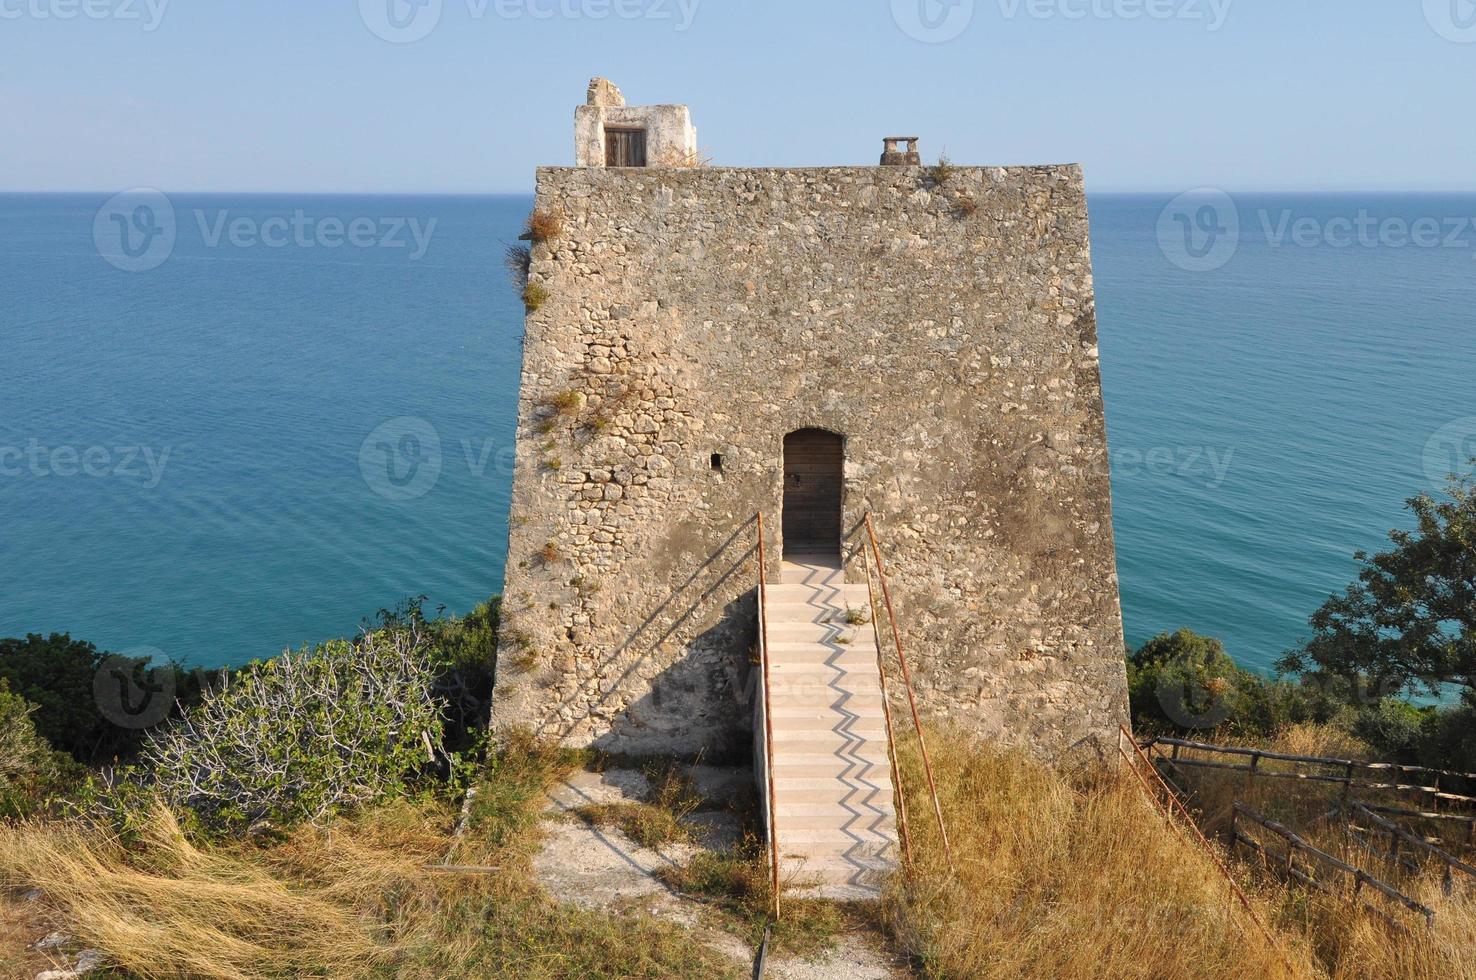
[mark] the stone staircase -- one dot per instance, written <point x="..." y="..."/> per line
<point x="834" y="810"/>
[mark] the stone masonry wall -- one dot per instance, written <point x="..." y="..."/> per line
<point x="948" y="332"/>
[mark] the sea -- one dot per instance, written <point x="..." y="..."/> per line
<point x="231" y="424"/>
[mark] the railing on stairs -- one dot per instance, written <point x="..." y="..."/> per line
<point x="765" y="730"/>
<point x="899" y="798"/>
<point x="922" y="743"/>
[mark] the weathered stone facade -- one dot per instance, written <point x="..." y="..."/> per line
<point x="948" y="332"/>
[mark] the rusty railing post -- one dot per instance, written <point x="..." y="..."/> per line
<point x="881" y="575"/>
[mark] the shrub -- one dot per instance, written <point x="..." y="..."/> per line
<point x="31" y="773"/>
<point x="534" y="296"/>
<point x="942" y="171"/>
<point x="307" y="734"/>
<point x="543" y="226"/>
<point x="519" y="260"/>
<point x="1183" y="680"/>
<point x="566" y="402"/>
<point x="1447" y="739"/>
<point x="463" y="651"/>
<point x="71" y="681"/>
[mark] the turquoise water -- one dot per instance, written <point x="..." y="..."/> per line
<point x="268" y="436"/>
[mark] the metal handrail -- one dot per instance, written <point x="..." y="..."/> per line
<point x="898" y="797"/>
<point x="763" y="595"/>
<point x="1176" y="806"/>
<point x="881" y="575"/>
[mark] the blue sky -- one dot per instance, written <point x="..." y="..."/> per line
<point x="303" y="95"/>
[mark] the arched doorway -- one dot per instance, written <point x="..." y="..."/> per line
<point x="814" y="481"/>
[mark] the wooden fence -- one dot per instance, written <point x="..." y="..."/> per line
<point x="1320" y="870"/>
<point x="1365" y="823"/>
<point x="1435" y="787"/>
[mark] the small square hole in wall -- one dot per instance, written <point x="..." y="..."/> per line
<point x="716" y="462"/>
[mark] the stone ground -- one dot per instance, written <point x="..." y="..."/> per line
<point x="30" y="948"/>
<point x="602" y="868"/>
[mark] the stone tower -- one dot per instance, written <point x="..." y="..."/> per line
<point x="705" y="344"/>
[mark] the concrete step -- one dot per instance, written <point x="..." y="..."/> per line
<point x="800" y="790"/>
<point x="802" y="631"/>
<point x="821" y="844"/>
<point x="838" y="813"/>
<point x="795" y="698"/>
<point x="790" y="611"/>
<point x="819" y="596"/>
<point x="790" y="648"/>
<point x="837" y="855"/>
<point x="864" y="774"/>
<point x="818" y="737"/>
<point x="859" y="822"/>
<point x="834" y="753"/>
<point x="830" y="662"/>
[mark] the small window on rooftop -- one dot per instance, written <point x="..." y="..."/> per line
<point x="625" y="147"/>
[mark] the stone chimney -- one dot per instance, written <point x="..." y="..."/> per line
<point x="893" y="157"/>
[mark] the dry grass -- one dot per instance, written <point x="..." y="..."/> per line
<point x="735" y="885"/>
<point x="649" y="826"/>
<point x="693" y="158"/>
<point x="22" y="923"/>
<point x="355" y="900"/>
<point x="661" y="819"/>
<point x="543" y="226"/>
<point x="163" y="907"/>
<point x="1066" y="880"/>
<point x="519" y="261"/>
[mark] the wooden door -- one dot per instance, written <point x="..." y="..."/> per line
<point x="814" y="482"/>
<point x="625" y="147"/>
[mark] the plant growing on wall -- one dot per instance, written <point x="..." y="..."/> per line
<point x="543" y="226"/>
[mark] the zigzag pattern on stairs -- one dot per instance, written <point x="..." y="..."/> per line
<point x="833" y="802"/>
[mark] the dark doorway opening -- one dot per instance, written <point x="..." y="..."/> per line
<point x="625" y="147"/>
<point x="814" y="483"/>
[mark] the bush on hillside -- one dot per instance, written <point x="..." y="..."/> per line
<point x="1186" y="682"/>
<point x="307" y="734"/>
<point x="31" y="773"/>
<point x="91" y="704"/>
<point x="463" y="652"/>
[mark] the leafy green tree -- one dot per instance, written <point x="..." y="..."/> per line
<point x="94" y="705"/>
<point x="1182" y="680"/>
<point x="1409" y="622"/>
<point x="56" y="674"/>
